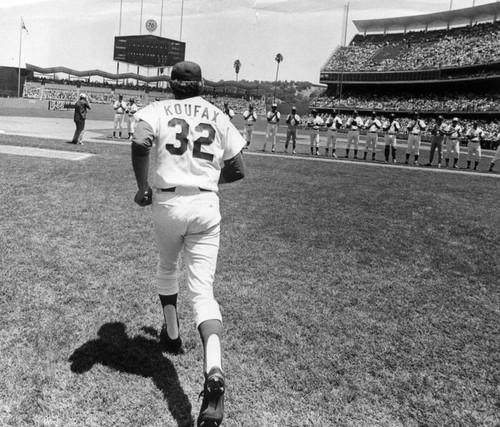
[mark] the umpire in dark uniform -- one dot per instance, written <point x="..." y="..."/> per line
<point x="81" y="107"/>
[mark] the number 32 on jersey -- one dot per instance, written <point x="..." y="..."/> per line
<point x="183" y="137"/>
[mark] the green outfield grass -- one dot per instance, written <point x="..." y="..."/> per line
<point x="351" y="296"/>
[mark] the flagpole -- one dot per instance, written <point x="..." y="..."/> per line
<point x="19" y="67"/>
<point x="182" y="18"/>
<point x="161" y="17"/>
<point x="119" y="34"/>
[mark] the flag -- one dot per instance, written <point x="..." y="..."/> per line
<point x="23" y="27"/>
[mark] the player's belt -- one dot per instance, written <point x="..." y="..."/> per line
<point x="415" y="133"/>
<point x="372" y="131"/>
<point x="249" y="124"/>
<point x="172" y="189"/>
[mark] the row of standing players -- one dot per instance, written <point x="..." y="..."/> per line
<point x="443" y="133"/>
<point x="124" y="114"/>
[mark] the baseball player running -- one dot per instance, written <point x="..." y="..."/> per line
<point x="372" y="127"/>
<point x="314" y="124"/>
<point x="438" y="131"/>
<point x="273" y="118"/>
<point x="196" y="147"/>
<point x="475" y="135"/>
<point x="354" y="123"/>
<point x="130" y="110"/>
<point x="119" y="106"/>
<point x="250" y="117"/>
<point x="390" y="127"/>
<point x="453" y="133"/>
<point x="292" y="121"/>
<point x="415" y="129"/>
<point x="333" y="124"/>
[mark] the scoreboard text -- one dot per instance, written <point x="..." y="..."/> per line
<point x="149" y="51"/>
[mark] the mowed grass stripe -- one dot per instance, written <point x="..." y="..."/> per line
<point x="40" y="152"/>
<point x="351" y="296"/>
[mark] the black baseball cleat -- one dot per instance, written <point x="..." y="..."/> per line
<point x="169" y="345"/>
<point x="212" y="406"/>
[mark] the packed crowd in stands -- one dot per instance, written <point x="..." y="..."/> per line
<point x="62" y="96"/>
<point x="456" y="47"/>
<point x="408" y="102"/>
<point x="238" y="105"/>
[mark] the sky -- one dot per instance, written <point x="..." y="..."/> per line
<point x="80" y="34"/>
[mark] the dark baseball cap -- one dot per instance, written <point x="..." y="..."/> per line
<point x="186" y="71"/>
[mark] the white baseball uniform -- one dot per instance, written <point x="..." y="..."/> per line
<point x="475" y="137"/>
<point x="250" y="118"/>
<point x="353" y="125"/>
<point x="415" y="128"/>
<point x="273" y="118"/>
<point x="372" y="127"/>
<point x="119" y="107"/>
<point x="453" y="132"/>
<point x="496" y="156"/>
<point x="314" y="123"/>
<point x="130" y="111"/>
<point x="193" y="138"/>
<point x="333" y="124"/>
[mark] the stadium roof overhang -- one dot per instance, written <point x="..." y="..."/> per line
<point x="452" y="18"/>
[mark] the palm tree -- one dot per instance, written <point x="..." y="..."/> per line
<point x="237" y="66"/>
<point x="278" y="59"/>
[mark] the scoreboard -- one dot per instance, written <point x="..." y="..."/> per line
<point x="148" y="51"/>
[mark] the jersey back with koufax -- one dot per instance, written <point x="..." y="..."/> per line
<point x="192" y="140"/>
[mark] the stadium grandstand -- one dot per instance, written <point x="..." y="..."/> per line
<point x="445" y="63"/>
<point x="60" y="86"/>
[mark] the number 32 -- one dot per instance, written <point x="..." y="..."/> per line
<point x="183" y="138"/>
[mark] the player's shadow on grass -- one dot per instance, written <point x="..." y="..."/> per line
<point x="139" y="356"/>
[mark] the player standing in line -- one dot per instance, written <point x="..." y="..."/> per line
<point x="333" y="124"/>
<point x="475" y="135"/>
<point x="415" y="129"/>
<point x="273" y="118"/>
<point x="196" y="147"/>
<point x="119" y="106"/>
<point x="314" y="124"/>
<point x="372" y="127"/>
<point x="390" y="127"/>
<point x="130" y="110"/>
<point x="353" y="124"/>
<point x="496" y="156"/>
<point x="228" y="111"/>
<point x="250" y="117"/>
<point x="293" y="121"/>
<point x="438" y="131"/>
<point x="453" y="133"/>
<point x="81" y="107"/>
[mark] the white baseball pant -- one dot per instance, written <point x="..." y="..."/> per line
<point x="452" y="146"/>
<point x="352" y="138"/>
<point x="413" y="144"/>
<point x="188" y="222"/>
